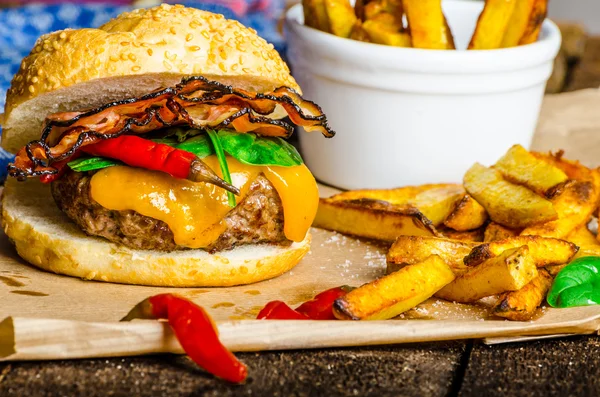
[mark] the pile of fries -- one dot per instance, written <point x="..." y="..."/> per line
<point x="422" y="24"/>
<point x="505" y="233"/>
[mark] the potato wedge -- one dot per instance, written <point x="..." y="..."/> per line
<point x="518" y="23"/>
<point x="409" y="250"/>
<point x="395" y="293"/>
<point x="544" y="251"/>
<point x="469" y="236"/>
<point x="435" y="201"/>
<point x="492" y="24"/>
<point x="341" y="17"/>
<point x="521" y="305"/>
<point x="582" y="236"/>
<point x="467" y="214"/>
<point x="380" y="33"/>
<point x="428" y="25"/>
<point x="315" y="15"/>
<point x="508" y="204"/>
<point x="534" y="27"/>
<point x="575" y="203"/>
<point x="510" y="271"/>
<point x="495" y="231"/>
<point x="521" y="167"/>
<point x="372" y="219"/>
<point x="573" y="169"/>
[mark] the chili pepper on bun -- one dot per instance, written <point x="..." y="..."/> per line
<point x="152" y="151"/>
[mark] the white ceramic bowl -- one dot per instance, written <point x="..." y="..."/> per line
<point x="408" y="116"/>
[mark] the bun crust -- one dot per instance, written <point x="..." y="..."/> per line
<point x="158" y="45"/>
<point x="45" y="237"/>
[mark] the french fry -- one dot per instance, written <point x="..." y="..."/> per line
<point x="521" y="167"/>
<point x="518" y="23"/>
<point x="467" y="214"/>
<point x="395" y="293"/>
<point x="510" y="271"/>
<point x="379" y="33"/>
<point x="543" y="251"/>
<point x="575" y="203"/>
<point x="534" y="27"/>
<point x="341" y="17"/>
<point x="508" y="204"/>
<point x="495" y="231"/>
<point x="358" y="33"/>
<point x="435" y="201"/>
<point x="469" y="236"/>
<point x="521" y="305"/>
<point x="428" y="25"/>
<point x="492" y="24"/>
<point x="409" y="250"/>
<point x="315" y="15"/>
<point x="372" y="219"/>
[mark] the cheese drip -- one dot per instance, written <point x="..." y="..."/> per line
<point x="195" y="212"/>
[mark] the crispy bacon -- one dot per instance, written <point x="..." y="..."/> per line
<point x="196" y="102"/>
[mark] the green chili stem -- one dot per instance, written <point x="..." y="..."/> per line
<point x="222" y="162"/>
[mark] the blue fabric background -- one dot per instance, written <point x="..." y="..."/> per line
<point x="21" y="26"/>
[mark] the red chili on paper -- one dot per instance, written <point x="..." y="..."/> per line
<point x="318" y="308"/>
<point x="196" y="333"/>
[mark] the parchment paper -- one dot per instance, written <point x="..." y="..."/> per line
<point x="569" y="121"/>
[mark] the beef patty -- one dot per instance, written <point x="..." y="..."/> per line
<point x="258" y="218"/>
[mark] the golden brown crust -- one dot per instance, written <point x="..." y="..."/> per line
<point x="164" y="39"/>
<point x="44" y="237"/>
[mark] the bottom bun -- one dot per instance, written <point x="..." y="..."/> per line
<point x="46" y="238"/>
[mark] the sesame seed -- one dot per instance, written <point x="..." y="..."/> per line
<point x="31" y="89"/>
<point x="172" y="30"/>
<point x="222" y="66"/>
<point x="234" y="67"/>
<point x="212" y="57"/>
<point x="193" y="24"/>
<point x="132" y="57"/>
<point x="124" y="43"/>
<point x="150" y="52"/>
<point x="167" y="65"/>
<point x="40" y="72"/>
<point x="123" y="57"/>
<point x="194" y="48"/>
<point x="113" y="58"/>
<point x="246" y="70"/>
<point x="34" y="79"/>
<point x="56" y="85"/>
<point x="241" y="60"/>
<point x="189" y="37"/>
<point x="136" y="68"/>
<point x="62" y="35"/>
<point x="205" y="34"/>
<point x="223" y="53"/>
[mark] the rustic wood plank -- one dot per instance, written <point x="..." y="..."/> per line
<point x="558" y="367"/>
<point x="419" y="370"/>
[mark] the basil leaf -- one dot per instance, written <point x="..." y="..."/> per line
<point x="214" y="137"/>
<point x="578" y="284"/>
<point x="251" y="149"/>
<point x="200" y="145"/>
<point x="91" y="163"/>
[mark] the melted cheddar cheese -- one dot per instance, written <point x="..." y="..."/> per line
<point x="194" y="211"/>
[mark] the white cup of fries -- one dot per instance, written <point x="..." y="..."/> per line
<point x="408" y="116"/>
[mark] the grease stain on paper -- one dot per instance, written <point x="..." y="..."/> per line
<point x="223" y="304"/>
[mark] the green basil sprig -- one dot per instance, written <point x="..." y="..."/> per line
<point x="214" y="137"/>
<point x="84" y="164"/>
<point x="578" y="284"/>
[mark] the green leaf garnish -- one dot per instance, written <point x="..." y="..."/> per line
<point x="91" y="163"/>
<point x="214" y="137"/>
<point x="252" y="149"/>
<point x="578" y="284"/>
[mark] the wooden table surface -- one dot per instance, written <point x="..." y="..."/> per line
<point x="560" y="367"/>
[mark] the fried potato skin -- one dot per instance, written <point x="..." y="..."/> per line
<point x="409" y="250"/>
<point x="522" y="168"/>
<point x="469" y="236"/>
<point x="393" y="294"/>
<point x="519" y="22"/>
<point x="379" y="33"/>
<point x="534" y="27"/>
<point x="428" y="26"/>
<point x="372" y="219"/>
<point x="492" y="24"/>
<point x="467" y="214"/>
<point x="508" y="204"/>
<point x="544" y="251"/>
<point x="495" y="232"/>
<point x="341" y="17"/>
<point x="510" y="271"/>
<point x="315" y="15"/>
<point x="521" y="305"/>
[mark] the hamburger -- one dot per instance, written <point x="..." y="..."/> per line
<point x="152" y="151"/>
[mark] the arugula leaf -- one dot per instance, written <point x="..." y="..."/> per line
<point x="578" y="284"/>
<point x="214" y="137"/>
<point x="251" y="149"/>
<point x="91" y="163"/>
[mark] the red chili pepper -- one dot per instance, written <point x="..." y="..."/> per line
<point x="321" y="306"/>
<point x="196" y="333"/>
<point x="139" y="152"/>
<point x="278" y="310"/>
<point x="318" y="308"/>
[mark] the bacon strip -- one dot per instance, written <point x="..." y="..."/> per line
<point x="195" y="101"/>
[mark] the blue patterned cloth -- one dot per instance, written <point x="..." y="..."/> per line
<point x="20" y="27"/>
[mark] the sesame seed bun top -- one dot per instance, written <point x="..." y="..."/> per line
<point x="131" y="55"/>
